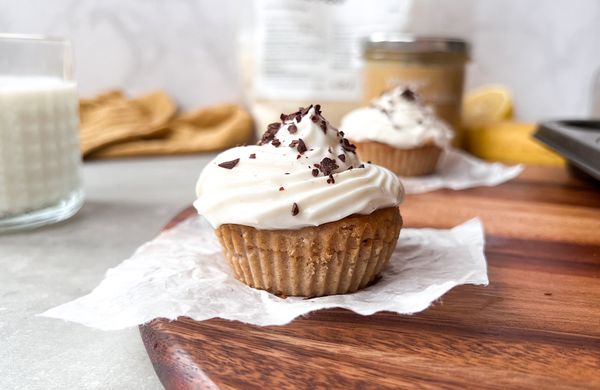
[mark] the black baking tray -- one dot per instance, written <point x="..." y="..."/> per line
<point x="578" y="141"/>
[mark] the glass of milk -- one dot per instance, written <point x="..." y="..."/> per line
<point x="40" y="181"/>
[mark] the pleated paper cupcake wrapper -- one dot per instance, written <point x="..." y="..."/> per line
<point x="417" y="161"/>
<point x="335" y="258"/>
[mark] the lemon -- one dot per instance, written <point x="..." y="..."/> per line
<point x="486" y="105"/>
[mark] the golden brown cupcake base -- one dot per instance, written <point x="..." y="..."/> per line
<point x="417" y="161"/>
<point x="334" y="258"/>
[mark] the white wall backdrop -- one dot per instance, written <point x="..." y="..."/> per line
<point x="546" y="52"/>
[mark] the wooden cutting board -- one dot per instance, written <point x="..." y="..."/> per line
<point x="537" y="325"/>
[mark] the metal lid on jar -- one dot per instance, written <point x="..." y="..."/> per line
<point x="396" y="46"/>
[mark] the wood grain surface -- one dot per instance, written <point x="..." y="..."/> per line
<point x="536" y="326"/>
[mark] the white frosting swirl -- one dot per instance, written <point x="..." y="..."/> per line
<point x="261" y="191"/>
<point x="399" y="119"/>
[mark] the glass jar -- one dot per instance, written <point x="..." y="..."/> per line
<point x="434" y="67"/>
<point x="40" y="161"/>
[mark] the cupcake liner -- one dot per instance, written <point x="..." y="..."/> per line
<point x="417" y="161"/>
<point x="334" y="258"/>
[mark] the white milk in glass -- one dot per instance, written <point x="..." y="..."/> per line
<point x="39" y="144"/>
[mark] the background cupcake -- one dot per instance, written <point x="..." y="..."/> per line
<point x="299" y="214"/>
<point x="398" y="132"/>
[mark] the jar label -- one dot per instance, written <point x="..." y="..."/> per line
<point x="309" y="50"/>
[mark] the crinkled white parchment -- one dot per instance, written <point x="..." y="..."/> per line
<point x="183" y="273"/>
<point x="458" y="170"/>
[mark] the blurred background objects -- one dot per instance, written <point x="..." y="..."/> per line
<point x="543" y="52"/>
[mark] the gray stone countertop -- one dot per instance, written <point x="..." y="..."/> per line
<point x="127" y="202"/>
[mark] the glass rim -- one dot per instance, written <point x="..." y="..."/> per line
<point x="32" y="38"/>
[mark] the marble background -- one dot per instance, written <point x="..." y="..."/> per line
<point x="545" y="52"/>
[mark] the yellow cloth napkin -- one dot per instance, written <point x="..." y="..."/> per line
<point x="113" y="125"/>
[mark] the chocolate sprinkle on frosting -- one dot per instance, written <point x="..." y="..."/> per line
<point x="409" y="94"/>
<point x="347" y="146"/>
<point x="294" y="143"/>
<point x="304" y="111"/>
<point x="314" y="118"/>
<point x="323" y="126"/>
<point x="301" y="146"/>
<point x="269" y="135"/>
<point x="295" y="209"/>
<point x="252" y="156"/>
<point x="330" y="180"/>
<point x="342" y="157"/>
<point x="315" y="172"/>
<point x="276" y="142"/>
<point x="327" y="166"/>
<point x="292" y="129"/>
<point x="229" y="164"/>
<point x="281" y="189"/>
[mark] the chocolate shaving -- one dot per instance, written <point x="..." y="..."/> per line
<point x="298" y="156"/>
<point x="409" y="94"/>
<point x="281" y="189"/>
<point x="304" y="111"/>
<point x="292" y="128"/>
<point x="276" y="142"/>
<point x="330" y="180"/>
<point x="301" y="146"/>
<point x="368" y="162"/>
<point x="327" y="166"/>
<point x="323" y="126"/>
<point x="283" y="117"/>
<point x="318" y="109"/>
<point x="314" y="118"/>
<point x="361" y="166"/>
<point x="329" y="150"/>
<point x="229" y="164"/>
<point x="315" y="172"/>
<point x="294" y="143"/>
<point x="342" y="157"/>
<point x="269" y="135"/>
<point x="298" y="118"/>
<point x="347" y="146"/>
<point x="252" y="156"/>
<point x="295" y="209"/>
<point x="341" y="133"/>
<point x="350" y="168"/>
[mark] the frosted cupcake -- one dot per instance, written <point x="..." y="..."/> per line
<point x="398" y="132"/>
<point x="299" y="214"/>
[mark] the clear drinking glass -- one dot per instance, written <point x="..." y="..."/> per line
<point x="596" y="95"/>
<point x="40" y="161"/>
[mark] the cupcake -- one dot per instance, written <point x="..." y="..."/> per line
<point x="298" y="214"/>
<point x="398" y="132"/>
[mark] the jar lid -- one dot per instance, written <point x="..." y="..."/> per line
<point x="406" y="43"/>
